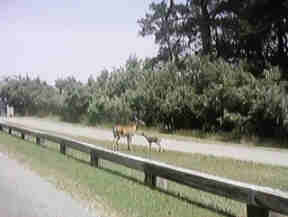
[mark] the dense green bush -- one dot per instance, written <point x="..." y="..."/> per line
<point x="75" y="104"/>
<point x="29" y="96"/>
<point x="207" y="95"/>
<point x="103" y="109"/>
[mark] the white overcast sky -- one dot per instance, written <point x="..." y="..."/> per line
<point x="57" y="38"/>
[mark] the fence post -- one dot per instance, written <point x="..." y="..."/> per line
<point x="63" y="148"/>
<point x="150" y="179"/>
<point x="254" y="211"/>
<point x="22" y="135"/>
<point x="39" y="140"/>
<point x="94" y="160"/>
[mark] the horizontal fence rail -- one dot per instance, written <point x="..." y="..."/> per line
<point x="260" y="200"/>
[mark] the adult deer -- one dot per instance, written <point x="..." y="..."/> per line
<point x="127" y="131"/>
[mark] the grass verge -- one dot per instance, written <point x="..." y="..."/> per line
<point x="249" y="172"/>
<point x="121" y="190"/>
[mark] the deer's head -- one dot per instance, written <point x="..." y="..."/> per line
<point x="138" y="121"/>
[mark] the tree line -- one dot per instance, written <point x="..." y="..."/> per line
<point x="206" y="95"/>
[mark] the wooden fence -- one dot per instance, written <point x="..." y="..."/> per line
<point x="259" y="200"/>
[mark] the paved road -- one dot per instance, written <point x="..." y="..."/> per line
<point x="271" y="156"/>
<point x="32" y="196"/>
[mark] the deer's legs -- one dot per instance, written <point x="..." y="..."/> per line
<point x="159" y="146"/>
<point x="113" y="143"/>
<point x="129" y="139"/>
<point x="116" y="143"/>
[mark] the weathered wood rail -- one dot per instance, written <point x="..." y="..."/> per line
<point x="259" y="200"/>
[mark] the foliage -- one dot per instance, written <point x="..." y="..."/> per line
<point x="207" y="94"/>
<point x="29" y="96"/>
<point x="231" y="29"/>
<point x="102" y="109"/>
<point x="76" y="100"/>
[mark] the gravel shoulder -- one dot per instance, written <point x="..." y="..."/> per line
<point x="272" y="156"/>
<point x="33" y="196"/>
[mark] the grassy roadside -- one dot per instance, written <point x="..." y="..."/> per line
<point x="226" y="138"/>
<point x="121" y="190"/>
<point x="249" y="172"/>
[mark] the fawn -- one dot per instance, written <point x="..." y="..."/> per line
<point x="153" y="139"/>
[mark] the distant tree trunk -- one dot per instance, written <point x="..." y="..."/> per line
<point x="205" y="28"/>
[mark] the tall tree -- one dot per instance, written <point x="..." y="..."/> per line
<point x="162" y="23"/>
<point x="256" y="30"/>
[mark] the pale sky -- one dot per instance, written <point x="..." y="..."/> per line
<point x="57" y="38"/>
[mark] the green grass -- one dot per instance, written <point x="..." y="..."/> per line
<point x="249" y="172"/>
<point x="122" y="190"/>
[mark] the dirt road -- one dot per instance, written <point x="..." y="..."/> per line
<point x="32" y="196"/>
<point x="271" y="156"/>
